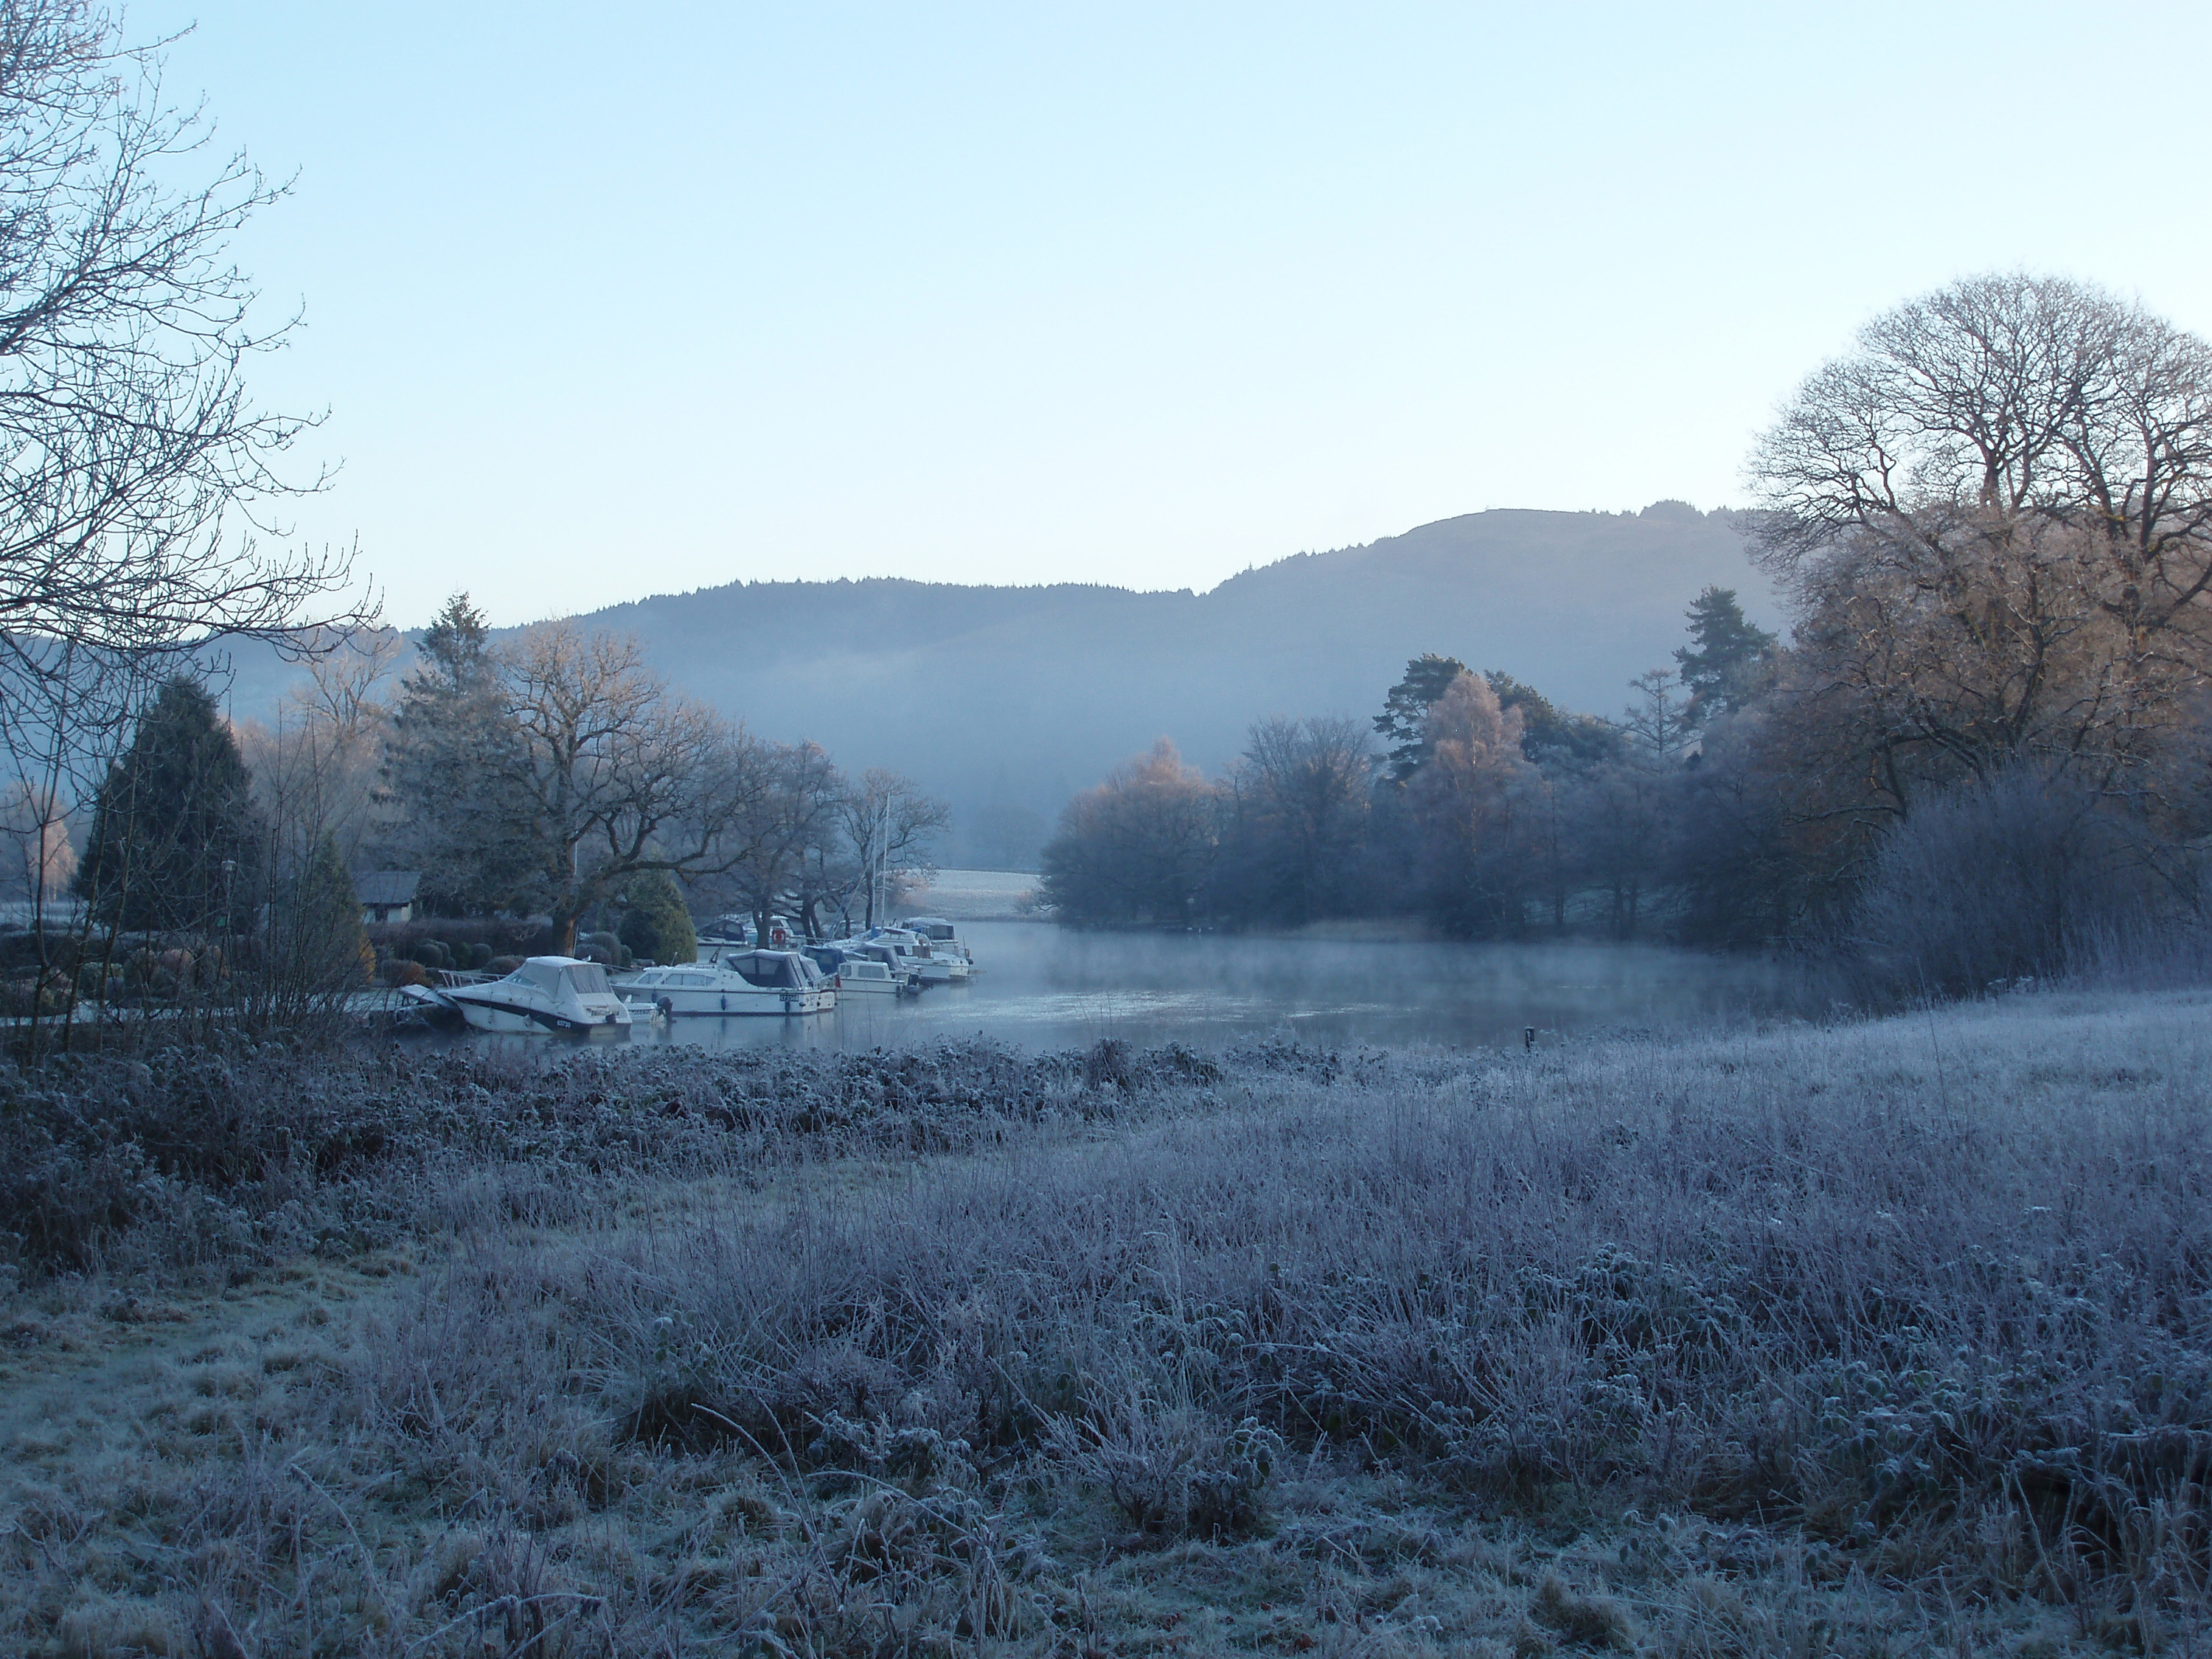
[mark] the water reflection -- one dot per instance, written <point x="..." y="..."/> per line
<point x="1045" y="987"/>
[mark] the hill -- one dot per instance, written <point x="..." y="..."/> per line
<point x="1005" y="700"/>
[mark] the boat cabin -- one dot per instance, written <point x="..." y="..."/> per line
<point x="774" y="970"/>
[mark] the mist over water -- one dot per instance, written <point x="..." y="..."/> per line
<point x="1044" y="988"/>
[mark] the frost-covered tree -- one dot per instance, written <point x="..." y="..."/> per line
<point x="1138" y="848"/>
<point x="1462" y="801"/>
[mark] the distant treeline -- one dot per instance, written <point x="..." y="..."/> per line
<point x="1470" y="799"/>
<point x="1981" y="753"/>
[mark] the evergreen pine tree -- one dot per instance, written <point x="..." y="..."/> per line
<point x="1548" y="730"/>
<point x="176" y="846"/>
<point x="1405" y="710"/>
<point x="447" y="771"/>
<point x="1720" y="669"/>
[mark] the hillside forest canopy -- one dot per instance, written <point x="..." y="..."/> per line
<point x="1979" y="752"/>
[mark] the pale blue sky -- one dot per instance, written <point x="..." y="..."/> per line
<point x="606" y="301"/>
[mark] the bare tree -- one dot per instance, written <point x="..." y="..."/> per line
<point x="135" y="471"/>
<point x="1298" y="806"/>
<point x="1618" y="810"/>
<point x="619" y="774"/>
<point x="39" y="861"/>
<point x="1464" y="801"/>
<point x="887" y="824"/>
<point x="786" y="810"/>
<point x="1996" y="519"/>
<point x="316" y="766"/>
<point x="1138" y="848"/>
<point x="1658" y="720"/>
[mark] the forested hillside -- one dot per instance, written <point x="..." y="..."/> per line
<point x="1013" y="697"/>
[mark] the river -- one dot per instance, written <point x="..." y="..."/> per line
<point x="1044" y="986"/>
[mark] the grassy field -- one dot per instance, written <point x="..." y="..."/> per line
<point x="1890" y="1338"/>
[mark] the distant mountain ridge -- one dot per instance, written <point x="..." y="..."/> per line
<point x="1016" y="696"/>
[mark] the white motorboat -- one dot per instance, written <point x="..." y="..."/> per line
<point x="907" y="955"/>
<point x="840" y="959"/>
<point x="545" y="994"/>
<point x="929" y="967"/>
<point x="859" y="976"/>
<point x="944" y="940"/>
<point x="736" y="982"/>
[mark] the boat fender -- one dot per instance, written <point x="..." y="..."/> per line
<point x="725" y="1002"/>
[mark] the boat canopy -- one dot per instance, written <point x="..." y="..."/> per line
<point x="772" y="970"/>
<point x="587" y="979"/>
<point x="547" y="973"/>
<point x="928" y="927"/>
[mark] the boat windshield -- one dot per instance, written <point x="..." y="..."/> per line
<point x="587" y="979"/>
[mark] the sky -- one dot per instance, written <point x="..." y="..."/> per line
<point x="606" y="301"/>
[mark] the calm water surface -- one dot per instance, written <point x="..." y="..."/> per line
<point x="1042" y="986"/>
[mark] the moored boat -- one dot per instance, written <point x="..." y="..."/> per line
<point x="944" y="939"/>
<point x="860" y="970"/>
<point x="732" y="983"/>
<point x="928" y="966"/>
<point x="545" y="994"/>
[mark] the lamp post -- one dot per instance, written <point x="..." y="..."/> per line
<point x="229" y="918"/>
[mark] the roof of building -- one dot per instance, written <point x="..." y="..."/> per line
<point x="387" y="886"/>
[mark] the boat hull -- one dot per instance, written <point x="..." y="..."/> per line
<point x="679" y="1002"/>
<point x="515" y="1018"/>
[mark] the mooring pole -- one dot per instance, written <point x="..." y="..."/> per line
<point x="1528" y="1038"/>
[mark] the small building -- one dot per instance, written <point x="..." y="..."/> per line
<point x="386" y="894"/>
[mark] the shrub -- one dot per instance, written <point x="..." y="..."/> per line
<point x="503" y="965"/>
<point x="1997" y="881"/>
<point x="516" y="936"/>
<point x="654" y="922"/>
<point x="21" y="951"/>
<point x="603" y="948"/>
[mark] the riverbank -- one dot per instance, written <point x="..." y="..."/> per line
<point x="1881" y="1338"/>
<point x="973" y="895"/>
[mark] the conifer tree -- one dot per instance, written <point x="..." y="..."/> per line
<point x="1720" y="668"/>
<point x="1404" y="718"/>
<point x="176" y="846"/>
<point x="448" y="768"/>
